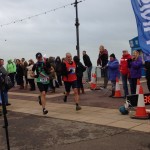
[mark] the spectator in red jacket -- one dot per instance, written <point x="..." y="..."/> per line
<point x="124" y="71"/>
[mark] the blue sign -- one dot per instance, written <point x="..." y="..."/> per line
<point x="134" y="44"/>
<point x="142" y="13"/>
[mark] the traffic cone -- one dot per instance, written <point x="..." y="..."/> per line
<point x="138" y="86"/>
<point x="117" y="89"/>
<point x="141" y="110"/>
<point x="93" y="82"/>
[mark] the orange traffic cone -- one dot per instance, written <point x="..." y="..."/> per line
<point x="138" y="86"/>
<point x="93" y="82"/>
<point x="117" y="90"/>
<point x="141" y="110"/>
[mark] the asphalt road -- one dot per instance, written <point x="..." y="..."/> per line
<point x="29" y="132"/>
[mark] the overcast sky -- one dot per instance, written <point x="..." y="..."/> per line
<point x="110" y="23"/>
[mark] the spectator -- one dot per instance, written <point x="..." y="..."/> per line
<point x="79" y="71"/>
<point x="4" y="90"/>
<point x="30" y="78"/>
<point x="11" y="69"/>
<point x="63" y="60"/>
<point x="70" y="79"/>
<point x="52" y="78"/>
<point x="102" y="61"/>
<point x="113" y="72"/>
<point x="147" y="67"/>
<point x="52" y="75"/>
<point x="124" y="70"/>
<point x="58" y="70"/>
<point x="24" y="66"/>
<point x="25" y="74"/>
<point x="51" y="61"/>
<point x="135" y="66"/>
<point x="19" y="74"/>
<point x="88" y="64"/>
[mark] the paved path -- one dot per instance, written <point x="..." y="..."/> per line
<point x="88" y="114"/>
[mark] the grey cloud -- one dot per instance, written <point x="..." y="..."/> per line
<point x="101" y="22"/>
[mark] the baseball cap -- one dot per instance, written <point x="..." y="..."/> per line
<point x="38" y="55"/>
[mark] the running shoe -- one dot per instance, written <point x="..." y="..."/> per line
<point x="78" y="108"/>
<point x="45" y="111"/>
<point x="65" y="99"/>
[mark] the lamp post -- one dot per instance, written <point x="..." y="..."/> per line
<point x="77" y="27"/>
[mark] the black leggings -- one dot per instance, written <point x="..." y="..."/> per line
<point x="148" y="83"/>
<point x="79" y="81"/>
<point x="133" y="85"/>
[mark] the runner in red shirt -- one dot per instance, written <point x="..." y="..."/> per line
<point x="70" y="79"/>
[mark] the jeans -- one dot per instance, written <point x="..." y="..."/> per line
<point x="5" y="92"/>
<point x="105" y="74"/>
<point x="89" y="69"/>
<point x="125" y="84"/>
<point x="113" y="83"/>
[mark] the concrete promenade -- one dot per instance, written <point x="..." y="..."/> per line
<point x="88" y="114"/>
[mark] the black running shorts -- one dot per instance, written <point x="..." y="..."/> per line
<point x="42" y="87"/>
<point x="72" y="84"/>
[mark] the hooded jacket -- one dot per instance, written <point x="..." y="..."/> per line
<point x="113" y="70"/>
<point x="11" y="67"/>
<point x="58" y="64"/>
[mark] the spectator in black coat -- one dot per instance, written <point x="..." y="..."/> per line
<point x="88" y="64"/>
<point x="147" y="67"/>
<point x="79" y="71"/>
<point x="58" y="70"/>
<point x="102" y="61"/>
<point x="19" y="74"/>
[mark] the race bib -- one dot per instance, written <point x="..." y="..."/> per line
<point x="44" y="79"/>
<point x="73" y="70"/>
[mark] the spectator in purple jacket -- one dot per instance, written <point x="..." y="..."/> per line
<point x="135" y="67"/>
<point x="113" y="72"/>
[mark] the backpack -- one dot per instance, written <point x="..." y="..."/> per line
<point x="5" y="82"/>
<point x="8" y="83"/>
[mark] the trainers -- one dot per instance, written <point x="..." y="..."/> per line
<point x="111" y="95"/>
<point x="65" y="99"/>
<point x="8" y="104"/>
<point x="45" y="111"/>
<point x="78" y="108"/>
<point x="39" y="99"/>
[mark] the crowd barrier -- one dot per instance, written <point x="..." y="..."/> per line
<point x="96" y="70"/>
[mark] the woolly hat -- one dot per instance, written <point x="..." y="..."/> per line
<point x="113" y="55"/>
